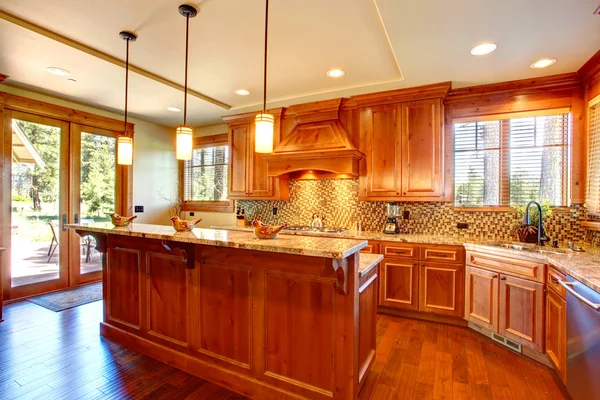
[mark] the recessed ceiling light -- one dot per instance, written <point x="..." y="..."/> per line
<point x="174" y="109"/>
<point x="482" y="49"/>
<point x="543" y="63"/>
<point x="242" y="92"/>
<point x="71" y="80"/>
<point x="58" y="71"/>
<point x="336" y="73"/>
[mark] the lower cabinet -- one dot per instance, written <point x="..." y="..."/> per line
<point x="481" y="298"/>
<point x="556" y="333"/>
<point x="399" y="284"/>
<point x="442" y="288"/>
<point x="521" y="316"/>
<point x="367" y="323"/>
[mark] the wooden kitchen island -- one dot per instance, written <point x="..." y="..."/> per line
<point x="269" y="319"/>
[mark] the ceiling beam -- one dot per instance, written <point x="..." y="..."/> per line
<point x="103" y="56"/>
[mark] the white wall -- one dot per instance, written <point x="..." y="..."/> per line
<point x="154" y="165"/>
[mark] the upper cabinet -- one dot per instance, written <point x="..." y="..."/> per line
<point x="248" y="177"/>
<point x="404" y="150"/>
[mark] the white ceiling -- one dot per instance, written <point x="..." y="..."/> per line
<point x="429" y="41"/>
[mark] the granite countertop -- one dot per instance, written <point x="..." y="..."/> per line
<point x="584" y="267"/>
<point x="368" y="262"/>
<point x="367" y="235"/>
<point x="301" y="245"/>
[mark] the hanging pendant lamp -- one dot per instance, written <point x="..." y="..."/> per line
<point x="124" y="142"/>
<point x="263" y="141"/>
<point x="184" y="132"/>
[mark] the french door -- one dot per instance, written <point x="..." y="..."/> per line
<point x="60" y="173"/>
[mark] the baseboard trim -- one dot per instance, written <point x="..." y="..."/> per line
<point x="426" y="316"/>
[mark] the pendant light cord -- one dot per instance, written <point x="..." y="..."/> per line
<point x="126" y="86"/>
<point x="265" y="69"/>
<point x="187" y="38"/>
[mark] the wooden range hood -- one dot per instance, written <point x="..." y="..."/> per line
<point x="317" y="142"/>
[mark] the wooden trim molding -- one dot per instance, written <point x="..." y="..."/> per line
<point x="103" y="56"/>
<point x="438" y="90"/>
<point x="3" y="77"/>
<point x="590" y="70"/>
<point x="210" y="141"/>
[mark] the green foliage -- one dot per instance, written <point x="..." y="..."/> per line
<point x="20" y="197"/>
<point x="533" y="212"/>
<point x="98" y="173"/>
<point x="469" y="193"/>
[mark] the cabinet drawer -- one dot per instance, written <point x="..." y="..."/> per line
<point x="399" y="250"/>
<point x="449" y="254"/>
<point x="512" y="266"/>
<point x="372" y="248"/>
<point x="552" y="278"/>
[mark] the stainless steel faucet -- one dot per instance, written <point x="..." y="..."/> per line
<point x="527" y="220"/>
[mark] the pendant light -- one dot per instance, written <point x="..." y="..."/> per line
<point x="263" y="141"/>
<point x="124" y="142"/>
<point x="185" y="133"/>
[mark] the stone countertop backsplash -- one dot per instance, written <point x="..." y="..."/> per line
<point x="583" y="266"/>
<point x="299" y="245"/>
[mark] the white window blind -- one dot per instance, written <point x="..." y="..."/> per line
<point x="593" y="198"/>
<point x="206" y="174"/>
<point x="508" y="162"/>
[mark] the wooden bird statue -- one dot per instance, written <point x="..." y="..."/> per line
<point x="263" y="231"/>
<point x="118" y="220"/>
<point x="181" y="225"/>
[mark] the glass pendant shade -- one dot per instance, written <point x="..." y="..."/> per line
<point x="184" y="142"/>
<point x="263" y="142"/>
<point x="124" y="150"/>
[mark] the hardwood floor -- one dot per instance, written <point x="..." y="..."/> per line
<point x="48" y="355"/>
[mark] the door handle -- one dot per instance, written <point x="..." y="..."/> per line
<point x="64" y="222"/>
<point x="76" y="218"/>
<point x="568" y="288"/>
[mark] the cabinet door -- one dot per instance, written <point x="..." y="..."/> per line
<point x="522" y="311"/>
<point x="556" y="333"/>
<point x="422" y="150"/>
<point x="238" y="172"/>
<point x="399" y="285"/>
<point x="367" y="324"/>
<point x="442" y="288"/>
<point x="481" y="302"/>
<point x="259" y="183"/>
<point x="124" y="291"/>
<point x="381" y="143"/>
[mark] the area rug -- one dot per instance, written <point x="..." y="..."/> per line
<point x="65" y="299"/>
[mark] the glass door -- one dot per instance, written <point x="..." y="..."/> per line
<point x="93" y="195"/>
<point x="39" y="243"/>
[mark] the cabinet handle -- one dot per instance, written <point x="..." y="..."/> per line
<point x="503" y="278"/>
<point x="415" y="264"/>
<point x="554" y="280"/>
<point x="495" y="276"/>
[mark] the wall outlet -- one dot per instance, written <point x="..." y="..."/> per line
<point x="462" y="225"/>
<point x="191" y="213"/>
<point x="139" y="209"/>
<point x="274" y="210"/>
<point x="405" y="214"/>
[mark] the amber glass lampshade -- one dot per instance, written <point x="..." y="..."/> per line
<point x="263" y="142"/>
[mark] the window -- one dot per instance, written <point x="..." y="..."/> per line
<point x="508" y="162"/>
<point x="593" y="197"/>
<point x="205" y="176"/>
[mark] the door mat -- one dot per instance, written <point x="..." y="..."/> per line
<point x="69" y="298"/>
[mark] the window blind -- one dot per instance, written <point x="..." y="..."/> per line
<point x="205" y="175"/>
<point x="508" y="162"/>
<point x="593" y="198"/>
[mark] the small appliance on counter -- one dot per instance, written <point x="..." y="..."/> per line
<point x="391" y="223"/>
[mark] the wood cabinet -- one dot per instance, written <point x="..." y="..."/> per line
<point x="367" y="323"/>
<point x="481" y="303"/>
<point x="556" y="323"/>
<point x="521" y="311"/>
<point x="403" y="147"/>
<point x="248" y="177"/>
<point x="422" y="149"/>
<point x="506" y="297"/>
<point x="442" y="288"/>
<point x="399" y="284"/>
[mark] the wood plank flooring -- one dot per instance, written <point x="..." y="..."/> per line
<point x="48" y="355"/>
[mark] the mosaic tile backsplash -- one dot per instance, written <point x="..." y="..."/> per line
<point x="337" y="199"/>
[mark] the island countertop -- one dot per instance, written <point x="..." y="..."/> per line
<point x="337" y="248"/>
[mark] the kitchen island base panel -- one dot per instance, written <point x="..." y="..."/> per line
<point x="265" y="325"/>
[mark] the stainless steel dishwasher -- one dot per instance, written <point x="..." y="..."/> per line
<point x="583" y="340"/>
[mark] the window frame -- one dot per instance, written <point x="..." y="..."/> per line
<point x="198" y="205"/>
<point x="504" y="118"/>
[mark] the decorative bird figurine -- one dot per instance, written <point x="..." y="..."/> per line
<point x="263" y="231"/>
<point x="118" y="220"/>
<point x="181" y="225"/>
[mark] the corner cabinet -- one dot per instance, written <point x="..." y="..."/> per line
<point x="403" y="144"/>
<point x="248" y="178"/>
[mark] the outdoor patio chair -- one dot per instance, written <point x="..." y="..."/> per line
<point x="88" y="244"/>
<point x="54" y="241"/>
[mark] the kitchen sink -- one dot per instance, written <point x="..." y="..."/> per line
<point x="526" y="247"/>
